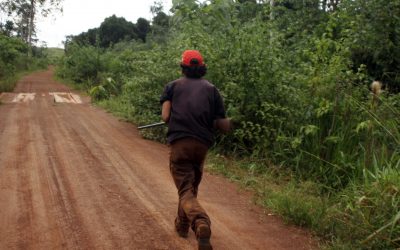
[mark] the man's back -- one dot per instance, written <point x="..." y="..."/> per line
<point x="196" y="103"/>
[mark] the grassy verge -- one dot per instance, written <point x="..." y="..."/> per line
<point x="365" y="215"/>
<point x="275" y="189"/>
<point x="8" y="84"/>
<point x="114" y="106"/>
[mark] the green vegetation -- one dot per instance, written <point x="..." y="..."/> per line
<point x="365" y="215"/>
<point x="316" y="141"/>
<point x="14" y="59"/>
<point x="113" y="30"/>
<point x="11" y="54"/>
<point x="17" y="37"/>
<point x="54" y="55"/>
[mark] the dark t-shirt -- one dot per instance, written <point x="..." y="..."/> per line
<point x="196" y="103"/>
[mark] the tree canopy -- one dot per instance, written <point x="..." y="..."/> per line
<point x="113" y="30"/>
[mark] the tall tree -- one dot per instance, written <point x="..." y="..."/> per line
<point x="23" y="21"/>
<point x="26" y="13"/>
<point x="115" y="29"/>
<point x="142" y="27"/>
<point x="7" y="28"/>
<point x="160" y="23"/>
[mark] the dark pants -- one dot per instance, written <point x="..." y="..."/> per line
<point x="186" y="165"/>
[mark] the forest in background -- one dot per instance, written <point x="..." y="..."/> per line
<point x="296" y="77"/>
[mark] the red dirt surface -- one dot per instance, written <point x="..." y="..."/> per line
<point x="74" y="177"/>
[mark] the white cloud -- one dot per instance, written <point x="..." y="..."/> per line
<point x="79" y="16"/>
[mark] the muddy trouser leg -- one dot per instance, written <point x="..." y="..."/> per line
<point x="186" y="165"/>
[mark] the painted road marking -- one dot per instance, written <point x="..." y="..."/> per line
<point x="63" y="97"/>
<point x="76" y="98"/>
<point x="59" y="97"/>
<point x="24" y="97"/>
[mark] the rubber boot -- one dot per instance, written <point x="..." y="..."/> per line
<point x="181" y="228"/>
<point x="203" y="234"/>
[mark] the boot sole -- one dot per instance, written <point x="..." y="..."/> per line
<point x="203" y="238"/>
<point x="204" y="244"/>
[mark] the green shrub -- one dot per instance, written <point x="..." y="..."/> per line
<point x="14" y="59"/>
<point x="81" y="64"/>
<point x="98" y="93"/>
<point x="12" y="53"/>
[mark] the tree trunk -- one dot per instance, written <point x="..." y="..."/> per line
<point x="31" y="25"/>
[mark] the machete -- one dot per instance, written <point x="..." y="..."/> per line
<point x="152" y="125"/>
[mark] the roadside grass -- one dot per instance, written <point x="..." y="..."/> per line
<point x="117" y="107"/>
<point x="366" y="215"/>
<point x="275" y="189"/>
<point x="8" y="84"/>
<point x="10" y="80"/>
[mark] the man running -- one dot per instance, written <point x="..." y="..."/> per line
<point x="193" y="109"/>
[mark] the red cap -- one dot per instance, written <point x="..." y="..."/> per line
<point x="189" y="58"/>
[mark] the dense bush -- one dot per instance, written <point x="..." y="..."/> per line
<point x="82" y="64"/>
<point x="12" y="52"/>
<point x="14" y="58"/>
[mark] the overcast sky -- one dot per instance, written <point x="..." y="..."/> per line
<point x="80" y="15"/>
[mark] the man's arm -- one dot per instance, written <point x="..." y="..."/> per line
<point x="166" y="111"/>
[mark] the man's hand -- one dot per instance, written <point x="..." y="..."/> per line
<point x="223" y="125"/>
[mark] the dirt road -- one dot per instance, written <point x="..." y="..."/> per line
<point x="74" y="177"/>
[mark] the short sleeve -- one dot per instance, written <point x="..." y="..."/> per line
<point x="167" y="93"/>
<point x="219" y="109"/>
